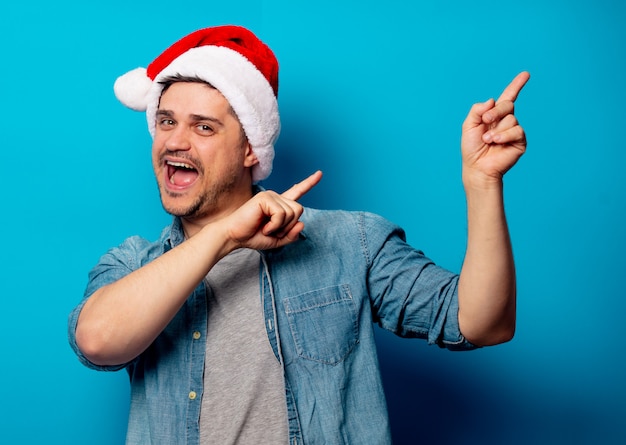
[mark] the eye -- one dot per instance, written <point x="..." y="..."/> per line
<point x="166" y="123"/>
<point x="205" y="129"/>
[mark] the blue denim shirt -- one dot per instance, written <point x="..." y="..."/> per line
<point x="321" y="297"/>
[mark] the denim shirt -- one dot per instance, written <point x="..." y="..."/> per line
<point x="321" y="297"/>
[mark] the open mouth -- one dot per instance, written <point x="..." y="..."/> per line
<point x="180" y="174"/>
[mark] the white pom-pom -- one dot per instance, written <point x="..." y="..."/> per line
<point x="132" y="89"/>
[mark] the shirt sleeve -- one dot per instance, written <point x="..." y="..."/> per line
<point x="411" y="296"/>
<point x="113" y="265"/>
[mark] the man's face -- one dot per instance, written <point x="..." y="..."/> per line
<point x="200" y="159"/>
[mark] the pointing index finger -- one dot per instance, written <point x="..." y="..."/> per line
<point x="298" y="190"/>
<point x="512" y="90"/>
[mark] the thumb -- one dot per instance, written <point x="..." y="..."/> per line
<point x="475" y="116"/>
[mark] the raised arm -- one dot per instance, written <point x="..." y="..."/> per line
<point x="120" y="320"/>
<point x="492" y="143"/>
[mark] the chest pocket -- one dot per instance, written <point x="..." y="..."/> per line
<point x="324" y="324"/>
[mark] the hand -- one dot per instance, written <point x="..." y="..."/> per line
<point x="492" y="140"/>
<point x="270" y="220"/>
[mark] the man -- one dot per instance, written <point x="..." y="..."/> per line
<point x="251" y="319"/>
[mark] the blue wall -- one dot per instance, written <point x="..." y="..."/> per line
<point x="374" y="94"/>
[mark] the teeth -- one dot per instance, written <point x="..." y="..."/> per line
<point x="180" y="164"/>
<point x="172" y="179"/>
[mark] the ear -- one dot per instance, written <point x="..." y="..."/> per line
<point x="250" y="158"/>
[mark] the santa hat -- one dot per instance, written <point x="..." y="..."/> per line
<point x="236" y="63"/>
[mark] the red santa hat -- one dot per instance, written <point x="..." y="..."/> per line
<point x="234" y="61"/>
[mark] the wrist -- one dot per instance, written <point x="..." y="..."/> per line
<point x="216" y="237"/>
<point x="475" y="180"/>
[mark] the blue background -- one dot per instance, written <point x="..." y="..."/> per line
<point x="374" y="94"/>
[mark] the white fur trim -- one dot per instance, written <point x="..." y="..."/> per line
<point x="242" y="84"/>
<point x="132" y="89"/>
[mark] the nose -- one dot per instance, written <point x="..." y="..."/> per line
<point x="178" y="139"/>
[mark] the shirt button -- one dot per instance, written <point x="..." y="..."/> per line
<point x="196" y="335"/>
<point x="192" y="395"/>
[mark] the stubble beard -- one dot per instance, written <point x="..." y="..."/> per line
<point x="209" y="201"/>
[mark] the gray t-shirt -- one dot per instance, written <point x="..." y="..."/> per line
<point x="244" y="391"/>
